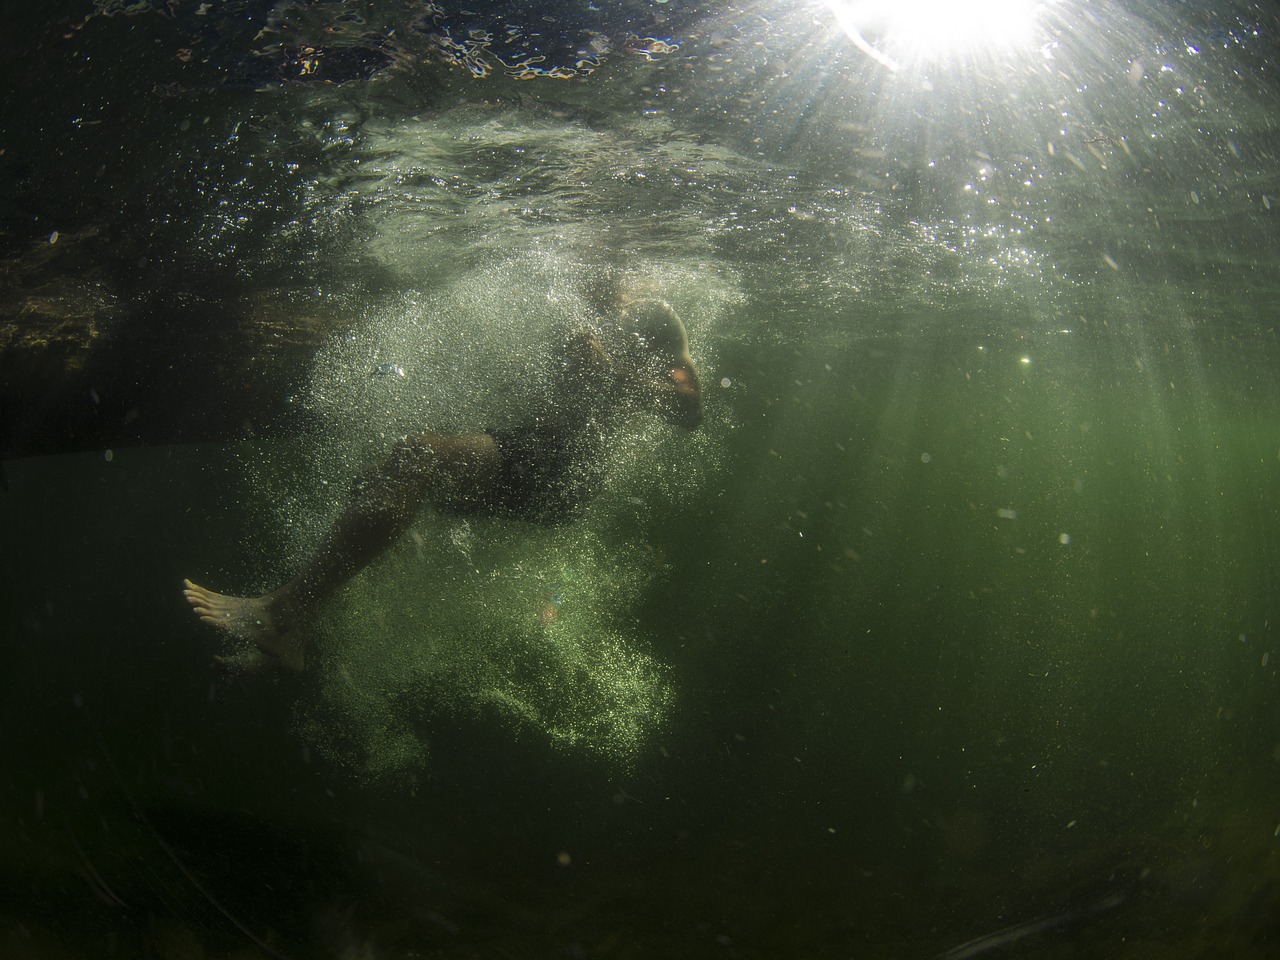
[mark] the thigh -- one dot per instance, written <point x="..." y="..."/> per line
<point x="456" y="470"/>
<point x="462" y="454"/>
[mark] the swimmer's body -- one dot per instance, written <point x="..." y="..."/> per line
<point x="542" y="471"/>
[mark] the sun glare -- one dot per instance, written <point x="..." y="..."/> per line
<point x="897" y="31"/>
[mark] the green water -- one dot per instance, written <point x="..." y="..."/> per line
<point x="957" y="611"/>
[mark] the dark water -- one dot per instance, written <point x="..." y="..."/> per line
<point x="958" y="612"/>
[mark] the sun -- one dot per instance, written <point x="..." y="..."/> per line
<point x="898" y="31"/>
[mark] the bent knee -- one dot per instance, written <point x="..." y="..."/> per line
<point x="410" y="459"/>
<point x="424" y="459"/>
<point x="452" y="452"/>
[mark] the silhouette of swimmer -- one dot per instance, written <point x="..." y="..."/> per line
<point x="543" y="470"/>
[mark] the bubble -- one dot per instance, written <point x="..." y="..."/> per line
<point x="432" y="629"/>
<point x="726" y="383"/>
<point x="505" y="622"/>
<point x="926" y="458"/>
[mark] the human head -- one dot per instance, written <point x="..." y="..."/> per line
<point x="653" y="342"/>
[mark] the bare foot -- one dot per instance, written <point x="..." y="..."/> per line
<point x="264" y="622"/>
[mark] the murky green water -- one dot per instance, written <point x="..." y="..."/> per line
<point x="957" y="611"/>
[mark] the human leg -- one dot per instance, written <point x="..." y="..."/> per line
<point x="430" y="468"/>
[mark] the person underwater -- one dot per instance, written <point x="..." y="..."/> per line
<point x="545" y="469"/>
